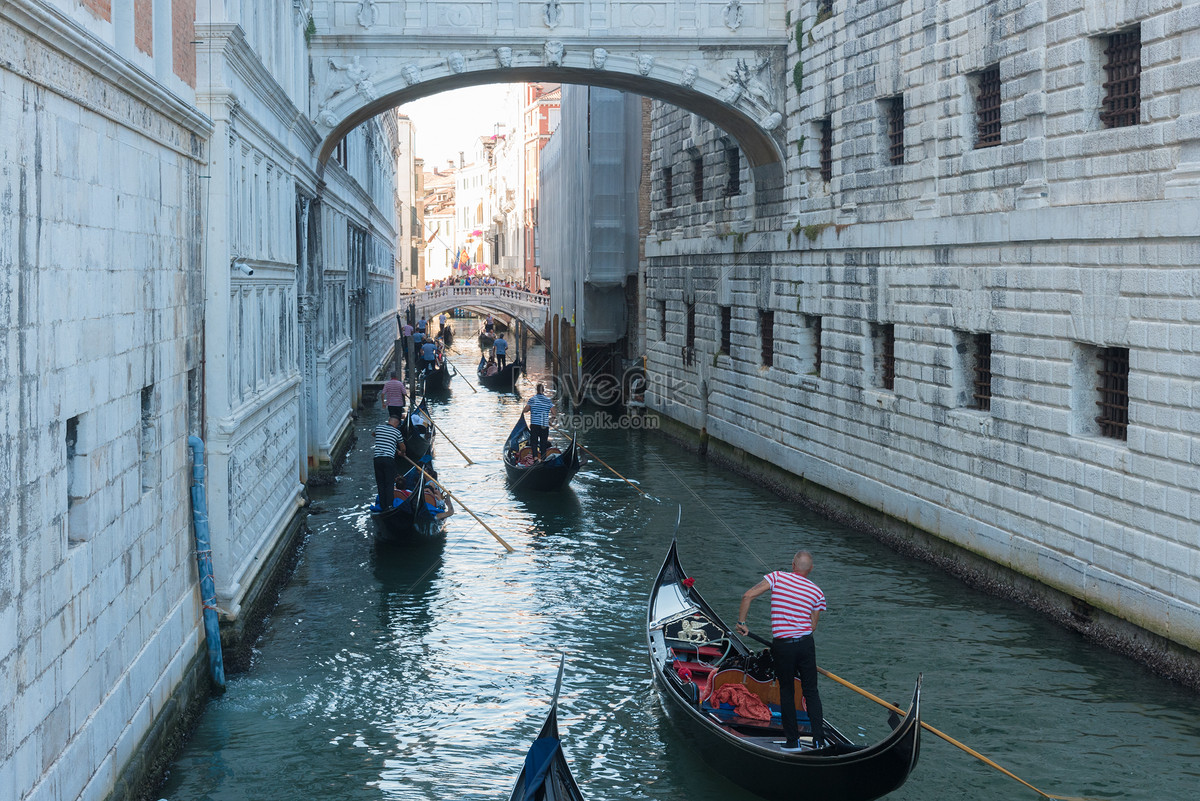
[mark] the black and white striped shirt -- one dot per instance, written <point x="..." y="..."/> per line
<point x="386" y="440"/>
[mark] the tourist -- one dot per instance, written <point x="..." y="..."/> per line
<point x="501" y="348"/>
<point x="388" y="444"/>
<point x="437" y="502"/>
<point x="394" y="396"/>
<point x="796" y="603"/>
<point x="541" y="414"/>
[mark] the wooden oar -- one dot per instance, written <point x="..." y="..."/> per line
<point x="601" y="461"/>
<point x="458" y="373"/>
<point x="950" y="739"/>
<point x="443" y="433"/>
<point x="932" y="730"/>
<point x="433" y="481"/>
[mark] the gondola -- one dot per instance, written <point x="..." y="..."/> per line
<point x="448" y="335"/>
<point x="418" y="439"/>
<point x="546" y="774"/>
<point x="554" y="472"/>
<point x="693" y="653"/>
<point x="410" y="521"/>
<point x="486" y="340"/>
<point x="504" y="379"/>
<point x="437" y="380"/>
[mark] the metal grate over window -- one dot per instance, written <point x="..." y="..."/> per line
<point x="726" y="328"/>
<point x="733" y="178"/>
<point x="1113" y="392"/>
<point x="662" y="320"/>
<point x="983" y="372"/>
<point x="887" y="356"/>
<point x="1123" y="87"/>
<point x="689" y="341"/>
<point x="987" y="108"/>
<point x="698" y="178"/>
<point x="668" y="189"/>
<point x="766" y="327"/>
<point x="895" y="130"/>
<point x="826" y="150"/>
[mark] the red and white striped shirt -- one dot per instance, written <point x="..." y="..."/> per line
<point x="793" y="601"/>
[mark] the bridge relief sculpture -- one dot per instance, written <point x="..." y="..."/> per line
<point x="722" y="59"/>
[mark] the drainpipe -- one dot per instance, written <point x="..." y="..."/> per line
<point x="208" y="590"/>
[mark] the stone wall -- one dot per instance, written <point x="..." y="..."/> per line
<point x="1063" y="243"/>
<point x="99" y="308"/>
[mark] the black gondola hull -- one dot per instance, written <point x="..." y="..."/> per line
<point x="548" y="476"/>
<point x="398" y="527"/>
<point x="504" y="379"/>
<point x="418" y="440"/>
<point x="437" y="381"/>
<point x="750" y="757"/>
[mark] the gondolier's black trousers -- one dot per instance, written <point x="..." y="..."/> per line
<point x="796" y="657"/>
<point x="385" y="480"/>
<point x="539" y="439"/>
<point x="501" y="360"/>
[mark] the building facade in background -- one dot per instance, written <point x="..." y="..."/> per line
<point x="539" y="119"/>
<point x="440" y="232"/>
<point x="174" y="263"/>
<point x="408" y="208"/>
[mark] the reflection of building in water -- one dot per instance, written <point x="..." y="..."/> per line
<point x="588" y="230"/>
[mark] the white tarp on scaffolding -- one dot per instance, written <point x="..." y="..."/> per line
<point x="588" y="210"/>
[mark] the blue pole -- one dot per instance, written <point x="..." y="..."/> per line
<point x="208" y="589"/>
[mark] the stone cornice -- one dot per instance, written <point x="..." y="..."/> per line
<point x="70" y="41"/>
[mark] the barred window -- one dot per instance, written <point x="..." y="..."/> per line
<point x="662" y="320"/>
<point x="987" y="108"/>
<point x="895" y="129"/>
<point x="982" y="369"/>
<point x="766" y="330"/>
<point x="813" y="323"/>
<point x="698" y="178"/>
<point x="1113" y="392"/>
<point x="668" y="193"/>
<point x="733" y="165"/>
<point x="883" y="336"/>
<point x="689" y="339"/>
<point x="824" y="10"/>
<point x="1123" y="84"/>
<point x="826" y="150"/>
<point x="726" y="328"/>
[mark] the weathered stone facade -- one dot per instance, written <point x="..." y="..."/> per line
<point x="173" y="261"/>
<point x="1056" y="251"/>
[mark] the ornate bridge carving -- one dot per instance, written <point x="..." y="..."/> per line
<point x="722" y="59"/>
<point x="529" y="307"/>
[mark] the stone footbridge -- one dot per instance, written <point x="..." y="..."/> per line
<point x="528" y="307"/>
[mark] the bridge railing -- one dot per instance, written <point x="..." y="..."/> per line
<point x="442" y="293"/>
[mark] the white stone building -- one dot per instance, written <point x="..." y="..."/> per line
<point x="173" y="261"/>
<point x="473" y="202"/>
<point x="975" y="326"/>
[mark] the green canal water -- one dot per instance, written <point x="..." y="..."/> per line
<point x="424" y="674"/>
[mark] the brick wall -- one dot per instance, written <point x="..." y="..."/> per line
<point x="143" y="25"/>
<point x="183" y="34"/>
<point x="101" y="8"/>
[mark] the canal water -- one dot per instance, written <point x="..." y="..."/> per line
<point x="425" y="674"/>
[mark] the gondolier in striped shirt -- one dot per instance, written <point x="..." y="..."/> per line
<point x="541" y="413"/>
<point x="796" y="603"/>
<point x="395" y="395"/>
<point x="388" y="443"/>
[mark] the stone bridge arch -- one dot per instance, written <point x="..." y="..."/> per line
<point x="722" y="60"/>
<point x="528" y="307"/>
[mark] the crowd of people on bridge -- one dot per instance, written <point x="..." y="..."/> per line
<point x="482" y="280"/>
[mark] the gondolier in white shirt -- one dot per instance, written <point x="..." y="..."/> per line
<point x="796" y="604"/>
<point x="541" y="414"/>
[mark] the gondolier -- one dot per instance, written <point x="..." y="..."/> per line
<point x="395" y="396"/>
<point x="541" y="414"/>
<point x="429" y="352"/>
<point x="388" y="443"/>
<point x="796" y="604"/>
<point x="501" y="350"/>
